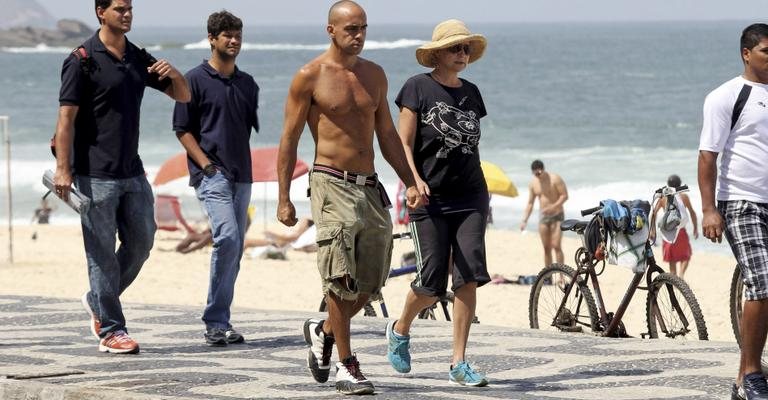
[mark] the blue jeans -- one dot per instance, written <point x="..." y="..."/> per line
<point x="118" y="206"/>
<point x="227" y="206"/>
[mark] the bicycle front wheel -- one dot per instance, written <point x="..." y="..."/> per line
<point x="737" y="304"/>
<point x="579" y="310"/>
<point x="672" y="310"/>
<point x="737" y="307"/>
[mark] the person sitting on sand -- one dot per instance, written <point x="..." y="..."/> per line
<point x="300" y="237"/>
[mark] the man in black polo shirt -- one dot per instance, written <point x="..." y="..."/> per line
<point x="102" y="85"/>
<point x="214" y="128"/>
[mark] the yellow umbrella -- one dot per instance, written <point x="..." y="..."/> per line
<point x="497" y="180"/>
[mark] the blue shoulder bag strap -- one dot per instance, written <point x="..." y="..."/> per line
<point x="739" y="105"/>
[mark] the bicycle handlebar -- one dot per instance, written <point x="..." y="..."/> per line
<point x="669" y="190"/>
<point x="592" y="210"/>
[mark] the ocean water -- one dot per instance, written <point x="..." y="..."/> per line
<point x="614" y="108"/>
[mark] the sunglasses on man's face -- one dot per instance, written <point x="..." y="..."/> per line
<point x="459" y="47"/>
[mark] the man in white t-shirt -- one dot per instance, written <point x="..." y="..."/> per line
<point x="736" y="126"/>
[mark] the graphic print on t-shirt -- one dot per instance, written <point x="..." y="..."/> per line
<point x="458" y="128"/>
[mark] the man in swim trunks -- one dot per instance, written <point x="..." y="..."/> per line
<point x="343" y="99"/>
<point x="550" y="189"/>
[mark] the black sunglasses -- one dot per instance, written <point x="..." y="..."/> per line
<point x="459" y="47"/>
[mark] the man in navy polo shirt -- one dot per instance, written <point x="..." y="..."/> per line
<point x="102" y="85"/>
<point x="214" y="129"/>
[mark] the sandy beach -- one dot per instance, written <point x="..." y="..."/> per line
<point x="54" y="265"/>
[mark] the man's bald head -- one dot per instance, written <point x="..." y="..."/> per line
<point x="341" y="8"/>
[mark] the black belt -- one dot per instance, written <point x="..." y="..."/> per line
<point x="357" y="179"/>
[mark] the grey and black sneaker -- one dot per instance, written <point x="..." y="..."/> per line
<point x="320" y="349"/>
<point x="755" y="386"/>
<point x="349" y="378"/>
<point x="233" y="336"/>
<point x="215" y="337"/>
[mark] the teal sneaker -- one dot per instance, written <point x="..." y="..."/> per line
<point x="463" y="374"/>
<point x="397" y="349"/>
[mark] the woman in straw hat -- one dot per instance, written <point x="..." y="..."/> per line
<point x="440" y="130"/>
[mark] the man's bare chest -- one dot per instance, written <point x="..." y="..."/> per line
<point x="340" y="94"/>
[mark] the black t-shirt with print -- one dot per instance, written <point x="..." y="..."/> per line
<point x="446" y="144"/>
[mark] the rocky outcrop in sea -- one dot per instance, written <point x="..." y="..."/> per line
<point x="68" y="33"/>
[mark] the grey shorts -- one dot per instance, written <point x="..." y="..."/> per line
<point x="354" y="236"/>
<point x="746" y="228"/>
<point x="551" y="219"/>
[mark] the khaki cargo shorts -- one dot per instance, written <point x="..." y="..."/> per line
<point x="354" y="236"/>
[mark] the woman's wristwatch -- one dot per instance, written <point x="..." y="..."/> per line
<point x="209" y="170"/>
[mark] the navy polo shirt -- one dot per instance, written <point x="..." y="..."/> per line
<point x="220" y="117"/>
<point x="108" y="92"/>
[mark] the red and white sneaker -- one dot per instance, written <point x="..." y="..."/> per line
<point x="95" y="324"/>
<point x="118" y="343"/>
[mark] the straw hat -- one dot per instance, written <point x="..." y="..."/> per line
<point x="447" y="34"/>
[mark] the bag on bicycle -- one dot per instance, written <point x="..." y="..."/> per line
<point x="627" y="247"/>
<point x="594" y="237"/>
<point x="615" y="216"/>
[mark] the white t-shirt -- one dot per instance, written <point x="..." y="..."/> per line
<point x="743" y="173"/>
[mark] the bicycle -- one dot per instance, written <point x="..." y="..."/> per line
<point x="432" y="312"/>
<point x="672" y="310"/>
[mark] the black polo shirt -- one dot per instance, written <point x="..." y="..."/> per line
<point x="220" y="117"/>
<point x="108" y="92"/>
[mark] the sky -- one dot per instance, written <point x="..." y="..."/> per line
<point x="303" y="12"/>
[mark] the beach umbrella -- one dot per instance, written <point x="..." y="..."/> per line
<point x="263" y="165"/>
<point x="497" y="180"/>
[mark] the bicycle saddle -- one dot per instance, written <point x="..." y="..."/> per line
<point x="574" y="225"/>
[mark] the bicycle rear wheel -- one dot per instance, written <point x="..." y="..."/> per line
<point x="737" y="306"/>
<point x="672" y="310"/>
<point x="441" y="310"/>
<point x="547" y="294"/>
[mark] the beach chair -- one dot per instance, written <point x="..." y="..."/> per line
<point x="168" y="214"/>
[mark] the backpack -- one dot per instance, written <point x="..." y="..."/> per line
<point x="671" y="218"/>
<point x="595" y="237"/>
<point x="87" y="66"/>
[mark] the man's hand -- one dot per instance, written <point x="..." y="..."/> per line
<point x="414" y="198"/>
<point x="523" y="225"/>
<point x="62" y="181"/>
<point x="164" y="69"/>
<point x="286" y="213"/>
<point x="712" y="225"/>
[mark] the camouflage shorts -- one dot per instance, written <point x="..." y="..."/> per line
<point x="354" y="236"/>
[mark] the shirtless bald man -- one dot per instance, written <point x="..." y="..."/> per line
<point x="552" y="194"/>
<point x="343" y="99"/>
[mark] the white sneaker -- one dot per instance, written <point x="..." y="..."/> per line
<point x="320" y="350"/>
<point x="349" y="378"/>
